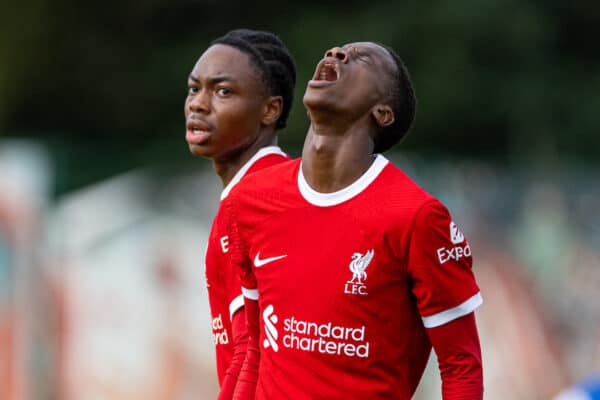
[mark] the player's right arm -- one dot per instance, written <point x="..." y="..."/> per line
<point x="239" y="333"/>
<point x="246" y="384"/>
<point x="248" y="377"/>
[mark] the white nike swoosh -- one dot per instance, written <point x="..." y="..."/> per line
<point x="259" y="263"/>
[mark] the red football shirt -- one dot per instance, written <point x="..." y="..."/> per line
<point x="224" y="290"/>
<point x="347" y="282"/>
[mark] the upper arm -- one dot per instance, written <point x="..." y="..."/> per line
<point x="440" y="267"/>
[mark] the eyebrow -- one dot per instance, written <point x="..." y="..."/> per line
<point x="364" y="55"/>
<point x="360" y="51"/>
<point x="214" y="79"/>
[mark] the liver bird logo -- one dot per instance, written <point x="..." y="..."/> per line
<point x="358" y="266"/>
<point x="456" y="236"/>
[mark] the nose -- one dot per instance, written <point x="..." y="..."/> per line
<point x="338" y="53"/>
<point x="199" y="102"/>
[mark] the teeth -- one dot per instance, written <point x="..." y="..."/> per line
<point x="323" y="72"/>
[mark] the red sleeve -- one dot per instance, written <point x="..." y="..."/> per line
<point x="240" y="344"/>
<point x="456" y="345"/>
<point x="246" y="384"/>
<point x="229" y="272"/>
<point x="439" y="265"/>
<point x="245" y="388"/>
<point x="239" y="260"/>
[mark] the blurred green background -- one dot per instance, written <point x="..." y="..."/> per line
<point x="104" y="214"/>
<point x="103" y="83"/>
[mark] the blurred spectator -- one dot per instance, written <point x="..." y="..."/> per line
<point x="586" y="389"/>
<point x="544" y="236"/>
<point x="7" y="322"/>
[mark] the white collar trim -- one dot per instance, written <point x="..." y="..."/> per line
<point x="265" y="151"/>
<point x="332" y="199"/>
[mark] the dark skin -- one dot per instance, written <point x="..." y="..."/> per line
<point x="229" y="114"/>
<point x="347" y="109"/>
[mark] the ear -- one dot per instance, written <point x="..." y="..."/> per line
<point x="383" y="115"/>
<point x="272" y="108"/>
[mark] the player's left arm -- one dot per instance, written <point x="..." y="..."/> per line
<point x="440" y="266"/>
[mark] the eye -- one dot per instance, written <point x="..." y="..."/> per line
<point x="192" y="89"/>
<point x="362" y="56"/>
<point x="223" y="91"/>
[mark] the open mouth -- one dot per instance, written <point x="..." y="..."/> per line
<point x="327" y="71"/>
<point x="197" y="126"/>
<point x="197" y="132"/>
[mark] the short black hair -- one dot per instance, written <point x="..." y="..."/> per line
<point x="403" y="103"/>
<point x="273" y="61"/>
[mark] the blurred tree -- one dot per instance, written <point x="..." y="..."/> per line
<point x="501" y="79"/>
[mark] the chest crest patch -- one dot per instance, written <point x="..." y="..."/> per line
<point x="358" y="266"/>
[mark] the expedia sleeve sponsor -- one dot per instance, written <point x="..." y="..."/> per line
<point x="440" y="265"/>
<point x="453" y="253"/>
<point x="460" y="250"/>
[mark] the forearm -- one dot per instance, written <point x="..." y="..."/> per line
<point x="248" y="377"/>
<point x="459" y="357"/>
<point x="239" y="332"/>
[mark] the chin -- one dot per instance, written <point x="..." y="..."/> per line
<point x="318" y="101"/>
<point x="200" y="151"/>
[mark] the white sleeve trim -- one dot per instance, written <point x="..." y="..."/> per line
<point x="460" y="310"/>
<point x="251" y="294"/>
<point x="235" y="305"/>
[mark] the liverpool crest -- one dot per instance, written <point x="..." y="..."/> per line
<point x="358" y="267"/>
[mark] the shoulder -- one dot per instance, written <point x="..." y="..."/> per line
<point x="267" y="161"/>
<point x="273" y="176"/>
<point x="401" y="193"/>
<point x="260" y="195"/>
<point x="261" y="188"/>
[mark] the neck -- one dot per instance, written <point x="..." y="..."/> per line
<point x="226" y="167"/>
<point x="335" y="156"/>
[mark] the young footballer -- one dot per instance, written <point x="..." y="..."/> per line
<point x="240" y="94"/>
<point x="350" y="270"/>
